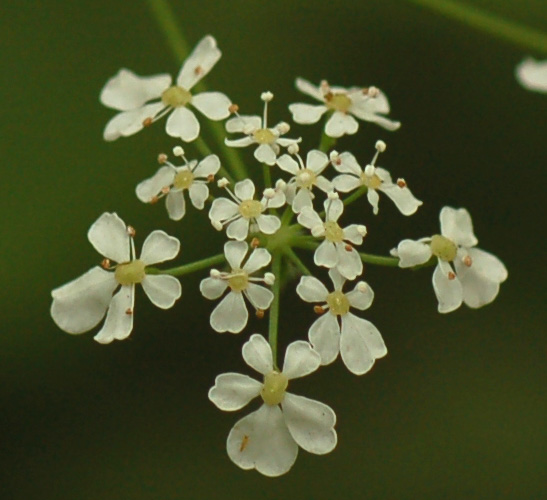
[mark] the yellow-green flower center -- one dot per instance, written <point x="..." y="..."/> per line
<point x="238" y="280"/>
<point x="372" y="182"/>
<point x="176" y="97"/>
<point x="183" y="180"/>
<point x="338" y="102"/>
<point x="130" y="272"/>
<point x="338" y="303"/>
<point x="333" y="232"/>
<point x="443" y="248"/>
<point x="273" y="390"/>
<point x="264" y="136"/>
<point x="250" y="208"/>
<point x="305" y="178"/>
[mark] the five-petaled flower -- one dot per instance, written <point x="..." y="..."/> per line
<point x="80" y="305"/>
<point x="368" y="104"/>
<point x="268" y="439"/>
<point x="463" y="273"/>
<point x="130" y="94"/>
<point x="357" y="340"/>
<point x="231" y="314"/>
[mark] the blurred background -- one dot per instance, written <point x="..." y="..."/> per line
<point x="456" y="410"/>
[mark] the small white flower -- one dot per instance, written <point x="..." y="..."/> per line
<point x="130" y="93"/>
<point x="257" y="132"/>
<point x="238" y="214"/>
<point x="532" y="74"/>
<point x="171" y="181"/>
<point x="374" y="179"/>
<point x="365" y="104"/>
<point x="268" y="439"/>
<point x="357" y="340"/>
<point x="463" y="273"/>
<point x="305" y="177"/>
<point x="80" y="305"/>
<point x="336" y="250"/>
<point x="231" y="314"/>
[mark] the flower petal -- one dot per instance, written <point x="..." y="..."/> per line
<point x="360" y="344"/>
<point x="81" y="303"/>
<point x="233" y="391"/>
<point x="222" y="209"/>
<point x="235" y="252"/>
<point x="349" y="264"/>
<point x="310" y="423"/>
<point x="148" y="189"/>
<point x="361" y="296"/>
<point x="373" y="198"/>
<point x="159" y="247"/>
<point x="532" y="74"/>
<point x="300" y="360"/>
<point x="347" y="164"/>
<point x="288" y="164"/>
<point x="353" y="233"/>
<point x="457" y="226"/>
<point x="199" y="193"/>
<point x="302" y="199"/>
<point x="130" y="122"/>
<point x="214" y="105"/>
<point x="239" y="143"/>
<point x="309" y="218"/>
<point x="210" y="165"/>
<point x="449" y="292"/>
<point x="334" y="209"/>
<point x="309" y="88"/>
<point x="259" y="258"/>
<point x="257" y="353"/>
<point x="310" y="289"/>
<point x="212" y="288"/>
<point x="403" y="198"/>
<point x="316" y="161"/>
<point x="243" y="122"/>
<point x="238" y="229"/>
<point x="245" y="190"/>
<point x="199" y="62"/>
<point x="119" y="319"/>
<point x="259" y="296"/>
<point x="306" y="114"/>
<point x="371" y="336"/>
<point x="162" y="290"/>
<point x="182" y="123"/>
<point x="231" y="314"/>
<point x="324" y="335"/>
<point x="109" y="237"/>
<point x="265" y="154"/>
<point x="268" y="224"/>
<point x="413" y="253"/>
<point x="326" y="255"/>
<point x="340" y="124"/>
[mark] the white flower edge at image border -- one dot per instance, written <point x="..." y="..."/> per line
<point x="532" y="74"/>
<point x="268" y="439"/>
<point x="78" y="306"/>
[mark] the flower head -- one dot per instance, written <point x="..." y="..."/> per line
<point x="231" y="314"/>
<point x="81" y="304"/>
<point x="130" y="94"/>
<point x="171" y="182"/>
<point x="268" y="439"/>
<point x="338" y="330"/>
<point x="368" y="104"/>
<point x="463" y="273"/>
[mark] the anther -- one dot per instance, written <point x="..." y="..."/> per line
<point x="467" y="260"/>
<point x="269" y="193"/>
<point x="280" y="184"/>
<point x="147" y="122"/>
<point x="210" y="178"/>
<point x="198" y="70"/>
<point x="153" y="200"/>
<point x="283" y="127"/>
<point x="333" y="195"/>
<point x="373" y="91"/>
<point x="178" y="151"/>
<point x="214" y="273"/>
<point x="222" y="183"/>
<point x="318" y="310"/>
<point x="162" y="158"/>
<point x="131" y="231"/>
<point x="165" y="189"/>
<point x="129" y="311"/>
<point x="234" y="108"/>
<point x="293" y="149"/>
<point x="259" y="313"/>
<point x="335" y="157"/>
<point x="369" y="170"/>
<point x="361" y="287"/>
<point x="269" y="279"/>
<point x="401" y="183"/>
<point x="380" y="146"/>
<point x="255" y="243"/>
<point x="451" y="276"/>
<point x="362" y="230"/>
<point x="105" y="264"/>
<point x="348" y="248"/>
<point x="266" y="96"/>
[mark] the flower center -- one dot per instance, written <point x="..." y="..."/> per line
<point x="130" y="272"/>
<point x="305" y="178"/>
<point x="273" y="390"/>
<point x="443" y="248"/>
<point x="338" y="303"/>
<point x="183" y="180"/>
<point x="176" y="97"/>
<point x="238" y="280"/>
<point x="250" y="208"/>
<point x="338" y="102"/>
<point x="371" y="181"/>
<point x="333" y="232"/>
<point x="264" y="136"/>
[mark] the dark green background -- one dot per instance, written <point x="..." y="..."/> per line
<point x="456" y="410"/>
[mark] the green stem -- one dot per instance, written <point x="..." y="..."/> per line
<point x="355" y="195"/>
<point x="274" y="308"/>
<point x="267" y="175"/>
<point x="287" y="216"/>
<point x="296" y="261"/>
<point x="189" y="268"/>
<point x="482" y="20"/>
<point x="326" y="142"/>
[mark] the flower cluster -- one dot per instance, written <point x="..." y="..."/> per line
<point x="299" y="207"/>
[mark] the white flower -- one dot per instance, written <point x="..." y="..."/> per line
<point x="130" y="93"/>
<point x="299" y="188"/>
<point x="336" y="250"/>
<point x="358" y="341"/>
<point x="231" y="314"/>
<point x="268" y="439"/>
<point x="532" y="74"/>
<point x="238" y="214"/>
<point x="365" y="104"/>
<point x="374" y="179"/>
<point x="172" y="181"/>
<point x="257" y="132"/>
<point x="463" y="273"/>
<point x="80" y="305"/>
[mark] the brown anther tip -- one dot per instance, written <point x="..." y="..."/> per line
<point x="147" y="122"/>
<point x="131" y="231"/>
<point x="165" y="189"/>
<point x="198" y="70"/>
<point x="162" y="158"/>
<point x="153" y="200"/>
<point x="234" y="108"/>
<point x="129" y="311"/>
<point x="318" y="310"/>
<point x="365" y="90"/>
<point x="255" y="243"/>
<point x="259" y="313"/>
<point x="105" y="264"/>
<point x="328" y="96"/>
<point x="338" y="161"/>
<point x="467" y="260"/>
<point x="210" y="178"/>
<point x="348" y="248"/>
<point x="451" y="276"/>
<point x="401" y="183"/>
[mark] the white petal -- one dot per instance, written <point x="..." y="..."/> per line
<point x="326" y="255"/>
<point x="300" y="360"/>
<point x="361" y="299"/>
<point x="323" y="184"/>
<point x="334" y="209"/>
<point x="119" y="319"/>
<point x="238" y="229"/>
<point x="373" y="198"/>
<point x="162" y="290"/>
<point x="449" y="292"/>
<point x="198" y="194"/>
<point x="259" y="296"/>
<point x="485" y="264"/>
<point x="257" y="353"/>
<point x="360" y="344"/>
<point x="231" y="314"/>
<point x="353" y="234"/>
<point x="159" y="247"/>
<point x="109" y="237"/>
<point x="532" y="74"/>
<point x="310" y="423"/>
<point x="212" y="288"/>
<point x="80" y="304"/>
<point x="149" y="188"/>
<point x="403" y="198"/>
<point x="310" y="289"/>
<point x="259" y="258"/>
<point x="222" y="209"/>
<point x="130" y="122"/>
<point x="288" y="164"/>
<point x="268" y="224"/>
<point x="348" y="165"/>
<point x="242" y="122"/>
<point x="235" y="252"/>
<point x="413" y="253"/>
<point x="182" y="123"/>
<point x="126" y="91"/>
<point x="233" y="391"/>
<point x="239" y="143"/>
<point x="337" y="279"/>
<point x="214" y="105"/>
<point x="309" y="89"/>
<point x="309" y="218"/>
<point x="199" y="62"/>
<point x="340" y="124"/>
<point x="316" y="161"/>
<point x="370" y="334"/>
<point x="457" y="226"/>
<point x="210" y="165"/>
<point x="265" y="154"/>
<point x="262" y="441"/>
<point x="349" y="264"/>
<point x="324" y="335"/>
<point x="345" y="183"/>
<point x="302" y="199"/>
<point x="306" y="114"/>
<point x="245" y="190"/>
<point x="278" y="199"/>
<point x="367" y="108"/>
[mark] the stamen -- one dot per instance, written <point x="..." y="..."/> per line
<point x="293" y="149"/>
<point x="451" y="276"/>
<point x="154" y="200"/>
<point x="362" y="287"/>
<point x="380" y="146"/>
<point x="255" y="242"/>
<point x="162" y="158"/>
<point x="147" y="122"/>
<point x="234" y="108"/>
<point x="335" y="157"/>
<point x="244" y="443"/>
<point x="105" y="264"/>
<point x="259" y="313"/>
<point x="467" y="260"/>
<point x="129" y="311"/>
<point x="318" y="310"/>
<point x="198" y="70"/>
<point x="401" y="183"/>
<point x="269" y="279"/>
<point x="210" y="178"/>
<point x="165" y="189"/>
<point x="131" y="231"/>
<point x="348" y="247"/>
<point x="222" y="183"/>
